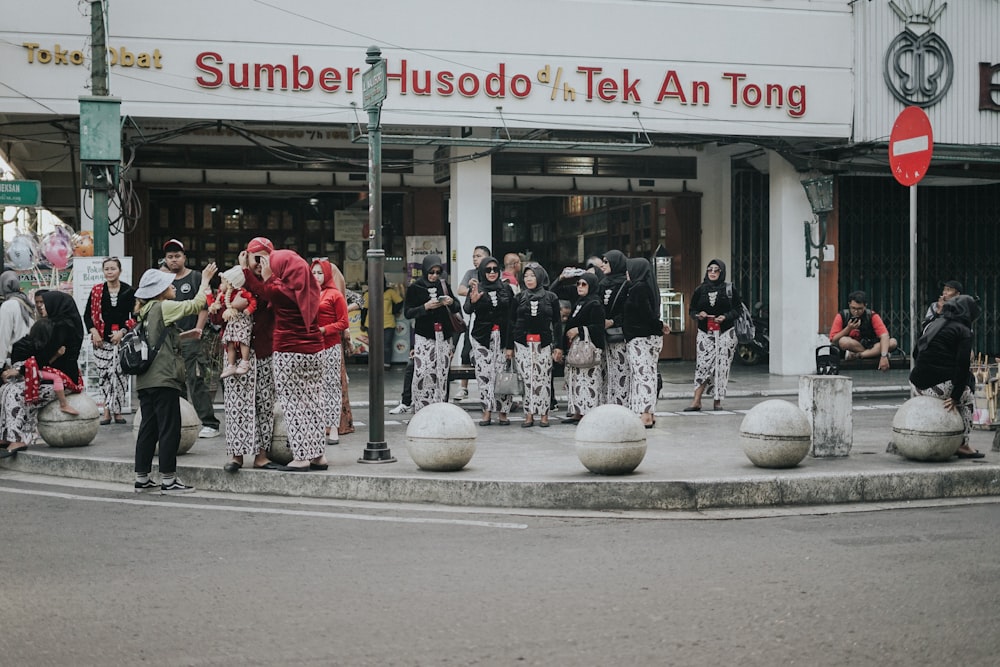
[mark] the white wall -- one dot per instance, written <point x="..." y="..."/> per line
<point x="794" y="298"/>
<point x="635" y="44"/>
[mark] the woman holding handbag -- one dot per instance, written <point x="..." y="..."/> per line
<point x="430" y="306"/>
<point x="613" y="289"/>
<point x="644" y="338"/>
<point x="585" y="327"/>
<point x="530" y="342"/>
<point x="489" y="299"/>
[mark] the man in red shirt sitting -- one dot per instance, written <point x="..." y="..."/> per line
<point x="861" y="333"/>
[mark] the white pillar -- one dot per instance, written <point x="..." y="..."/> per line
<point x="470" y="210"/>
<point x="794" y="298"/>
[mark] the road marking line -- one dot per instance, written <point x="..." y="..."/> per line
<point x="264" y="510"/>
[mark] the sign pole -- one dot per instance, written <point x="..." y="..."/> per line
<point x="373" y="83"/>
<point x="914" y="305"/>
<point x="911" y="146"/>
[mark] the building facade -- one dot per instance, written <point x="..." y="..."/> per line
<point x="555" y="129"/>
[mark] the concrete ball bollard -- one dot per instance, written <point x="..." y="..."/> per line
<point x="923" y="430"/>
<point x="441" y="438"/>
<point x="610" y="440"/>
<point x="775" y="434"/>
<point x="59" y="429"/>
<point x="190" y="426"/>
<point x="280" y="451"/>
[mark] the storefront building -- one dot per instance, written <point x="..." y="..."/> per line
<point x="553" y="129"/>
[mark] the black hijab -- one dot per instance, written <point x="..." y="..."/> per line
<point x="61" y="309"/>
<point x="641" y="271"/>
<point x="721" y="280"/>
<point x="592" y="292"/>
<point x="430" y="261"/>
<point x="485" y="284"/>
<point x="541" y="278"/>
<point x="962" y="309"/>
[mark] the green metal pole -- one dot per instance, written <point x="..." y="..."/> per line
<point x="377" y="451"/>
<point x="99" y="85"/>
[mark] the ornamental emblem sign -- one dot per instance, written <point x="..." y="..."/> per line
<point x="918" y="65"/>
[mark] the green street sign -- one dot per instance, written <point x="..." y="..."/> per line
<point x="373" y="85"/>
<point x="20" y="193"/>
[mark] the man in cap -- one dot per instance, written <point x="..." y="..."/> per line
<point x="186" y="284"/>
<point x="949" y="290"/>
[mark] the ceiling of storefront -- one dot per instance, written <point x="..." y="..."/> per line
<point x="45" y="148"/>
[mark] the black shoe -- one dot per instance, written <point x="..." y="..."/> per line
<point x="232" y="466"/>
<point x="148" y="485"/>
<point x="175" y="487"/>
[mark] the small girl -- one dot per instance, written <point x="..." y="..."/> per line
<point x="237" y="306"/>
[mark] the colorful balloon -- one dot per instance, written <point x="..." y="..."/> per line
<point x="22" y="252"/>
<point x="57" y="248"/>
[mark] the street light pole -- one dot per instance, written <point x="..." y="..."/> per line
<point x="374" y="87"/>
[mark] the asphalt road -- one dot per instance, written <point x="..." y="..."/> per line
<point x="93" y="576"/>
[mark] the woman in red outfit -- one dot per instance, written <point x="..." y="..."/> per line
<point x="332" y="321"/>
<point x="294" y="296"/>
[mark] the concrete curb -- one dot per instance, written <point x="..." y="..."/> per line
<point x="794" y="487"/>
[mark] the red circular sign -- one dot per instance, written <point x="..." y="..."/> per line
<point x="910" y="146"/>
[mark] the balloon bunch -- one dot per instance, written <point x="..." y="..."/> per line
<point x="57" y="247"/>
<point x="55" y="250"/>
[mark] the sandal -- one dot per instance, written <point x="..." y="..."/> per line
<point x="485" y="422"/>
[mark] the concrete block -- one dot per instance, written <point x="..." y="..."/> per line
<point x="610" y="440"/>
<point x="923" y="430"/>
<point x="190" y="426"/>
<point x="775" y="434"/>
<point x="826" y="402"/>
<point x="59" y="429"/>
<point x="280" y="451"/>
<point x="441" y="438"/>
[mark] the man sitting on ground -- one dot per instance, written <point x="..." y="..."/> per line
<point x="861" y="333"/>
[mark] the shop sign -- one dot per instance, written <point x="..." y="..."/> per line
<point x="918" y="67"/>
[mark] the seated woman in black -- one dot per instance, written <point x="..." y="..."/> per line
<point x="941" y="363"/>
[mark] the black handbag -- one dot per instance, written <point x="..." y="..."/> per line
<point x="614" y="335"/>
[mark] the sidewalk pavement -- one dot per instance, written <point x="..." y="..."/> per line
<point x="693" y="461"/>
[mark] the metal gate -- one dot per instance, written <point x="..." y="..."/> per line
<point x="958" y="233"/>
<point x="750" y="223"/>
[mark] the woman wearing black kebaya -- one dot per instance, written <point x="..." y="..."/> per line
<point x="585" y="385"/>
<point x="529" y="342"/>
<point x="644" y="338"/>
<point x="429" y="304"/>
<point x="489" y="299"/>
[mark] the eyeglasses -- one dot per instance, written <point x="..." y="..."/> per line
<point x="714" y="270"/>
<point x="492" y="269"/>
<point x="434" y="273"/>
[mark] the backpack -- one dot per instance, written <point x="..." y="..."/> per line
<point x="745" y="329"/>
<point x="134" y="353"/>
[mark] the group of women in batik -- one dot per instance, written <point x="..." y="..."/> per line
<point x="613" y="303"/>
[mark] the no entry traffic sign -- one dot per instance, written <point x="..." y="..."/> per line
<point x="910" y="146"/>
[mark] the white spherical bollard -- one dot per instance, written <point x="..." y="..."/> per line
<point x="280" y="451"/>
<point x="923" y="430"/>
<point x="441" y="437"/>
<point x="190" y="426"/>
<point x="59" y="429"/>
<point x="775" y="434"/>
<point x="610" y="440"/>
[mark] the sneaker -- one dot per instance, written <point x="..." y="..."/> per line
<point x="148" y="485"/>
<point x="228" y="372"/>
<point x="461" y="394"/>
<point x="208" y="432"/>
<point x="242" y="368"/>
<point x="400" y="409"/>
<point x="175" y="487"/>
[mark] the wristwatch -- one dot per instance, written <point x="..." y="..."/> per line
<point x="885" y="355"/>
